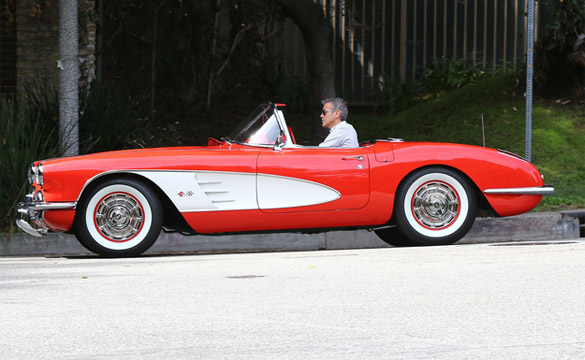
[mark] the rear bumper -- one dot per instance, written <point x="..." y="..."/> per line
<point x="540" y="190"/>
<point x="30" y="215"/>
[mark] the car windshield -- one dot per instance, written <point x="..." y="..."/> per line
<point x="259" y="128"/>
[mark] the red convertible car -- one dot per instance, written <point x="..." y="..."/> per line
<point x="259" y="180"/>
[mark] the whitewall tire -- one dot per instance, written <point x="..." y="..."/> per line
<point x="434" y="206"/>
<point x="120" y="217"/>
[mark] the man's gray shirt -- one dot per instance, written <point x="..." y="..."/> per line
<point x="341" y="135"/>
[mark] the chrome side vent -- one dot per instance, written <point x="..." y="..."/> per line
<point x="214" y="190"/>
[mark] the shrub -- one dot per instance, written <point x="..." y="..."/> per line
<point x="24" y="139"/>
<point x="107" y="120"/>
<point x="559" y="62"/>
<point x="396" y="96"/>
<point x="443" y="75"/>
<point x="447" y="74"/>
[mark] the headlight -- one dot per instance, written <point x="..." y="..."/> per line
<point x="40" y="175"/>
<point x="38" y="196"/>
<point x="35" y="174"/>
<point x="32" y="174"/>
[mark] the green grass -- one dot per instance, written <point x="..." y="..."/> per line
<point x="558" y="136"/>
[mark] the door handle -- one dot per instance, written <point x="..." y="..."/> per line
<point x="357" y="157"/>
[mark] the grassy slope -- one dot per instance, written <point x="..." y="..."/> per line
<point x="558" y="145"/>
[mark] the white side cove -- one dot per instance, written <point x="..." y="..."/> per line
<point x="277" y="192"/>
<point x="193" y="191"/>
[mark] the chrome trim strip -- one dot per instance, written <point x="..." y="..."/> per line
<point x="542" y="190"/>
<point x="511" y="154"/>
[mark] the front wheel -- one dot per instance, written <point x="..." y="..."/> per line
<point x="434" y="206"/>
<point x="119" y="218"/>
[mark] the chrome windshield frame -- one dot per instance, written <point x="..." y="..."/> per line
<point x="242" y="135"/>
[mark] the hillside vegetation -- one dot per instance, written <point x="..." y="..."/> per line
<point x="558" y="137"/>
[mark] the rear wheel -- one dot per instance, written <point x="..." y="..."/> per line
<point x="434" y="206"/>
<point x="119" y="218"/>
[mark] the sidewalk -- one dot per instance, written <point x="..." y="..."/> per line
<point x="563" y="225"/>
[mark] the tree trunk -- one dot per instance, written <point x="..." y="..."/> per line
<point x="309" y="17"/>
<point x="68" y="78"/>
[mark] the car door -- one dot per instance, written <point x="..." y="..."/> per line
<point x="312" y="179"/>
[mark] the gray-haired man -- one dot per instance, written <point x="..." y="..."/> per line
<point x="333" y="117"/>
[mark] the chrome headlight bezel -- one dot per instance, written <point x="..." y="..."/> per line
<point x="40" y="174"/>
<point x="31" y="174"/>
<point x="35" y="174"/>
<point x="38" y="197"/>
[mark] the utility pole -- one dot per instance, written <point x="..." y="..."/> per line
<point x="68" y="63"/>
<point x="529" y="87"/>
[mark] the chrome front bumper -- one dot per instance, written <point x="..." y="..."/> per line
<point x="30" y="215"/>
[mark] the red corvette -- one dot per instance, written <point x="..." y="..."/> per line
<point x="259" y="180"/>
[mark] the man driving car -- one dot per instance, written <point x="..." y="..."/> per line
<point x="333" y="117"/>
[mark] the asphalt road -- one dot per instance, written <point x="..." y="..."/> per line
<point x="517" y="301"/>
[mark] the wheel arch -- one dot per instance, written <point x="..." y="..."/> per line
<point x="171" y="216"/>
<point x="482" y="203"/>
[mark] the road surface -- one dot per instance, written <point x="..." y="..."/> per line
<point x="499" y="301"/>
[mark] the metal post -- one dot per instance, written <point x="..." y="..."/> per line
<point x="529" y="88"/>
<point x="68" y="63"/>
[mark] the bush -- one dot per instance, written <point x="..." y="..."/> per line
<point x="447" y="74"/>
<point x="441" y="76"/>
<point x="108" y="121"/>
<point x="24" y="139"/>
<point x="559" y="62"/>
<point x="29" y="132"/>
<point x="397" y="96"/>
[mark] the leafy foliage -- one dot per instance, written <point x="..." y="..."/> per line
<point x="447" y="74"/>
<point x="566" y="23"/>
<point x="560" y="53"/>
<point x="441" y="76"/>
<point x="192" y="76"/>
<point x="108" y="121"/>
<point x="24" y="139"/>
<point x="396" y="96"/>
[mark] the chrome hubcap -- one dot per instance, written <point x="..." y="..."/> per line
<point x="435" y="205"/>
<point x="119" y="217"/>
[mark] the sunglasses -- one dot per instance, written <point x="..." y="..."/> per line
<point x="324" y="112"/>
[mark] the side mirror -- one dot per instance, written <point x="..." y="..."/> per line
<point x="280" y="141"/>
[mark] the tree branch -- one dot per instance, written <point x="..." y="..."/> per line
<point x="235" y="43"/>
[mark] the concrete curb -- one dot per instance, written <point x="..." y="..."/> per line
<point x="527" y="227"/>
